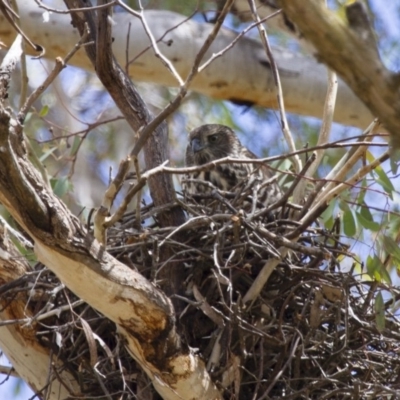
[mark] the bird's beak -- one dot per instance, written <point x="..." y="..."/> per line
<point x="196" y="145"/>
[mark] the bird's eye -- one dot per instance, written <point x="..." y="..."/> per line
<point x="213" y="138"/>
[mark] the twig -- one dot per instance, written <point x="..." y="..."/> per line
<point x="132" y="192"/>
<point x="231" y="160"/>
<point x="9" y="371"/>
<point x="101" y="217"/>
<point x="153" y="42"/>
<point x="262" y="278"/>
<point x="72" y="10"/>
<point x="234" y="41"/>
<point x="160" y="38"/>
<point x="299" y="177"/>
<point x="275" y="72"/>
<point x="139" y="194"/>
<point x="7" y="10"/>
<point x="128" y="38"/>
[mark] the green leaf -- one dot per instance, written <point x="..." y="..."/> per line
<point x="391" y="247"/>
<point x="376" y="270"/>
<point x="385" y="275"/>
<point x="349" y="224"/>
<point x="394" y="160"/>
<point x="372" y="265"/>
<point x="367" y="223"/>
<point x="380" y="312"/>
<point x="47" y="153"/>
<point x="383" y="179"/>
<point x="362" y="193"/>
<point x="60" y="186"/>
<point x="75" y="145"/>
<point x="344" y="206"/>
<point x="365" y="212"/>
<point x="327" y="215"/>
<point x="44" y="111"/>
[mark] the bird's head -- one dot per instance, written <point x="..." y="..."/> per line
<point x="211" y="142"/>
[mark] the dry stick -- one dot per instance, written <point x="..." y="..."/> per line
<point x="232" y="160"/>
<point x="285" y="126"/>
<point x="299" y="177"/>
<point x="180" y="171"/>
<point x="128" y="38"/>
<point x="145" y="132"/>
<point x="337" y="173"/>
<point x="57" y="311"/>
<point x="327" y="118"/>
<point x="262" y="278"/>
<point x="279" y="374"/>
<point x="9" y="371"/>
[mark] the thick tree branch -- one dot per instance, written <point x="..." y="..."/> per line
<point x="242" y="73"/>
<point x="353" y="55"/>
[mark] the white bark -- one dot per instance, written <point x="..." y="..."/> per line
<point x="241" y="74"/>
<point x="135" y="305"/>
<point x="18" y="341"/>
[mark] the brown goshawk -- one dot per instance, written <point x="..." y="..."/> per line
<point x="212" y="142"/>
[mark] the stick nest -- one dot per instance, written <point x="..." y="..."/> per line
<point x="310" y="332"/>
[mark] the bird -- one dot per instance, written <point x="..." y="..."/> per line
<point x="212" y="142"/>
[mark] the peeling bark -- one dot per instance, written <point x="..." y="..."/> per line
<point x="18" y="341"/>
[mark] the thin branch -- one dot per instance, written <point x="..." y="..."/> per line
<point x="60" y="64"/>
<point x="323" y="137"/>
<point x="275" y="72"/>
<point x="72" y="10"/>
<point x="153" y="42"/>
<point x="234" y="41"/>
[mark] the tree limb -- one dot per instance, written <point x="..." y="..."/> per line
<point x="353" y="55"/>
